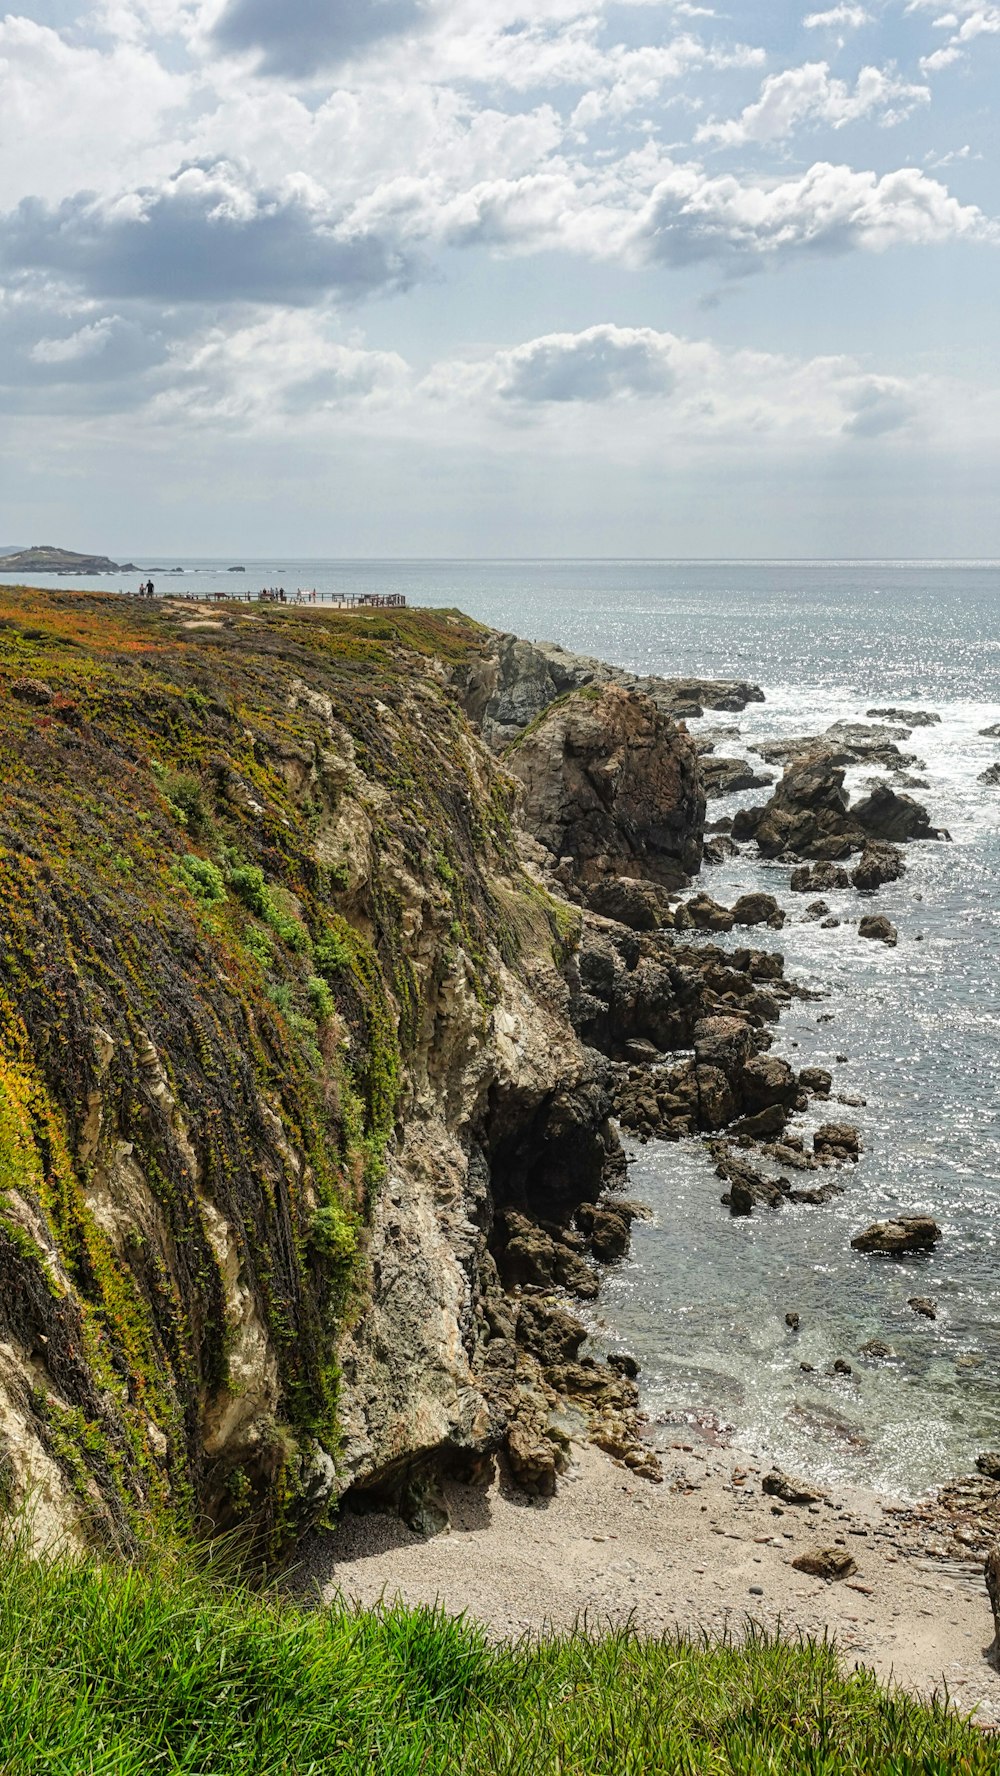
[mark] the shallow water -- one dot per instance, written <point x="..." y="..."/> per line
<point x="702" y="1299"/>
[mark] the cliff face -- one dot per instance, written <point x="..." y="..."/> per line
<point x="305" y="1072"/>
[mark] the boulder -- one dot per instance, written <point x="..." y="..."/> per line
<point x="719" y="849"/>
<point x="991" y="776"/>
<point x="820" y="878"/>
<point x="758" y="909"/>
<point x="837" y="1141"/>
<point x="782" y="1486"/>
<point x="610" y="782"/>
<point x="880" y="929"/>
<point x="817" y="909"/>
<point x="549" y="1333"/>
<point x="989" y="1463"/>
<point x="533" y="1456"/>
<point x="877" y="864"/>
<point x="608" y="1227"/>
<point x="723" y="1042"/>
<point x="990" y="733"/>
<point x="913" y="718"/>
<point x="792" y="1321"/>
<point x="808" y="813"/>
<point x="816" y="1080"/>
<point x="923" y="1305"/>
<point x="762" y="1124"/>
<point x="885" y="814"/>
<point x="877" y="1350"/>
<point x="640" y="905"/>
<point x="33" y="691"/>
<point x="726" y="776"/>
<point x="534" y="1257"/>
<point x="907" y="1233"/>
<point x="702" y="913"/>
<point x="767" y="1079"/>
<point x="826" y="1563"/>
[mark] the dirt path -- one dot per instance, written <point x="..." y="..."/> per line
<point x="700" y="1551"/>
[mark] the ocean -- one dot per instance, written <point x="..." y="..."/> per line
<point x="915" y="1031"/>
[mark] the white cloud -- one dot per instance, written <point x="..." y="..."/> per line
<point x="844" y="17"/>
<point x="693" y="216"/>
<point x="810" y="94"/>
<point x="939" y="59"/>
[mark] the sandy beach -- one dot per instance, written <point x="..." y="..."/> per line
<point x="703" y="1551"/>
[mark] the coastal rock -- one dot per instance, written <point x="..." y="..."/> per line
<point x="611" y="783"/>
<point x="826" y="1563"/>
<point x="989" y="1464"/>
<point x="718" y="850"/>
<point x="878" y="864"/>
<point x="758" y="909"/>
<point x="702" y="913"/>
<point x="837" y="1141"/>
<point x="844" y="743"/>
<point x="817" y="1081"/>
<point x="906" y="1233"/>
<point x="877" y="1350"/>
<point x="818" y="878"/>
<point x="885" y="814"/>
<point x="923" y="1305"/>
<point x="782" y="1486"/>
<point x="727" y="776"/>
<point x="880" y="929"/>
<point x="807" y="815"/>
<point x="990" y="733"/>
<point x="991" y="776"/>
<point x="512" y="682"/>
<point x="549" y="1332"/>
<point x="991" y="1573"/>
<point x="640" y="905"/>
<point x="913" y="718"/>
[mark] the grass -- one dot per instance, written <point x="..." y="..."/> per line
<point x="128" y="1671"/>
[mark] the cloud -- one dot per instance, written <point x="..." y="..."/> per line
<point x="844" y="17"/>
<point x="208" y="233"/>
<point x="940" y="58"/>
<point x="879" y="404"/>
<point x="692" y="216"/>
<point x="302" y="38"/>
<point x="810" y="94"/>
<point x="601" y="364"/>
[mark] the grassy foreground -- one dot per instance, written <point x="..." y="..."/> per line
<point x="117" y="1670"/>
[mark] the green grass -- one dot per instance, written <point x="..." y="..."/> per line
<point x="132" y="1671"/>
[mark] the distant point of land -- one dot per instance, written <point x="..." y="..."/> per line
<point x="43" y="558"/>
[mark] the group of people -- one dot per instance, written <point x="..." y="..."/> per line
<point x="278" y="595"/>
<point x="146" y="589"/>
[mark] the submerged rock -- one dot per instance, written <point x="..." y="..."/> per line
<point x="923" y="1305"/>
<point x="991" y="776"/>
<point x="913" y="718"/>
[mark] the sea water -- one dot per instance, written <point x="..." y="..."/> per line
<point x="701" y="1300"/>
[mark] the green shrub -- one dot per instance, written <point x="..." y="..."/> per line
<point x="259" y="945"/>
<point x="202" y="878"/>
<point x="321" y="996"/>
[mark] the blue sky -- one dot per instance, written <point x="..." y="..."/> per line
<point x="500" y="277"/>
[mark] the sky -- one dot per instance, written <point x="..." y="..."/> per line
<point x="500" y="277"/>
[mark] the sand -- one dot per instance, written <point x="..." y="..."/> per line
<point x="703" y="1551"/>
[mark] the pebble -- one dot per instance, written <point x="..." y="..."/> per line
<point x="756" y="1590"/>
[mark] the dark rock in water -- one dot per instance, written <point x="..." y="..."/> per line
<point x="808" y="813"/>
<point x="896" y="818"/>
<point x="907" y="1233"/>
<point x="623" y="1364"/>
<point x="878" y="1350"/>
<point x="819" y="878"/>
<point x="764" y="1123"/>
<point x="702" y="913"/>
<point x="923" y="1305"/>
<point x="792" y="1321"/>
<point x="991" y="733"/>
<point x="825" y="1563"/>
<point x="991" y="776"/>
<point x="989" y="1463"/>
<point x="608" y="1227"/>
<point x="782" y="1486"/>
<point x="719" y="849"/>
<point x="817" y="909"/>
<point x="723" y="824"/>
<point x="878" y="863"/>
<point x="767" y="1079"/>
<point x="640" y="905"/>
<point x="758" y="909"/>
<point x="830" y="924"/>
<point x="727" y="776"/>
<point x="842" y="1367"/>
<point x="845" y="743"/>
<point x="745" y="823"/>
<point x="838" y="1141"/>
<point x="880" y="929"/>
<point x="816" y="1080"/>
<point x="808" y="1368"/>
<point x="824" y="1194"/>
<point x="913" y="718"/>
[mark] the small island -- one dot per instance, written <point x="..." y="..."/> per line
<point x="43" y="558"/>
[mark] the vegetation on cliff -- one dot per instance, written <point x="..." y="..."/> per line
<point x="121" y="1672"/>
<point x="208" y="1003"/>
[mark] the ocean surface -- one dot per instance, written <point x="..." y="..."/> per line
<point x="915" y="1031"/>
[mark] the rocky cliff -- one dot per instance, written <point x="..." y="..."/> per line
<point x="306" y="1073"/>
